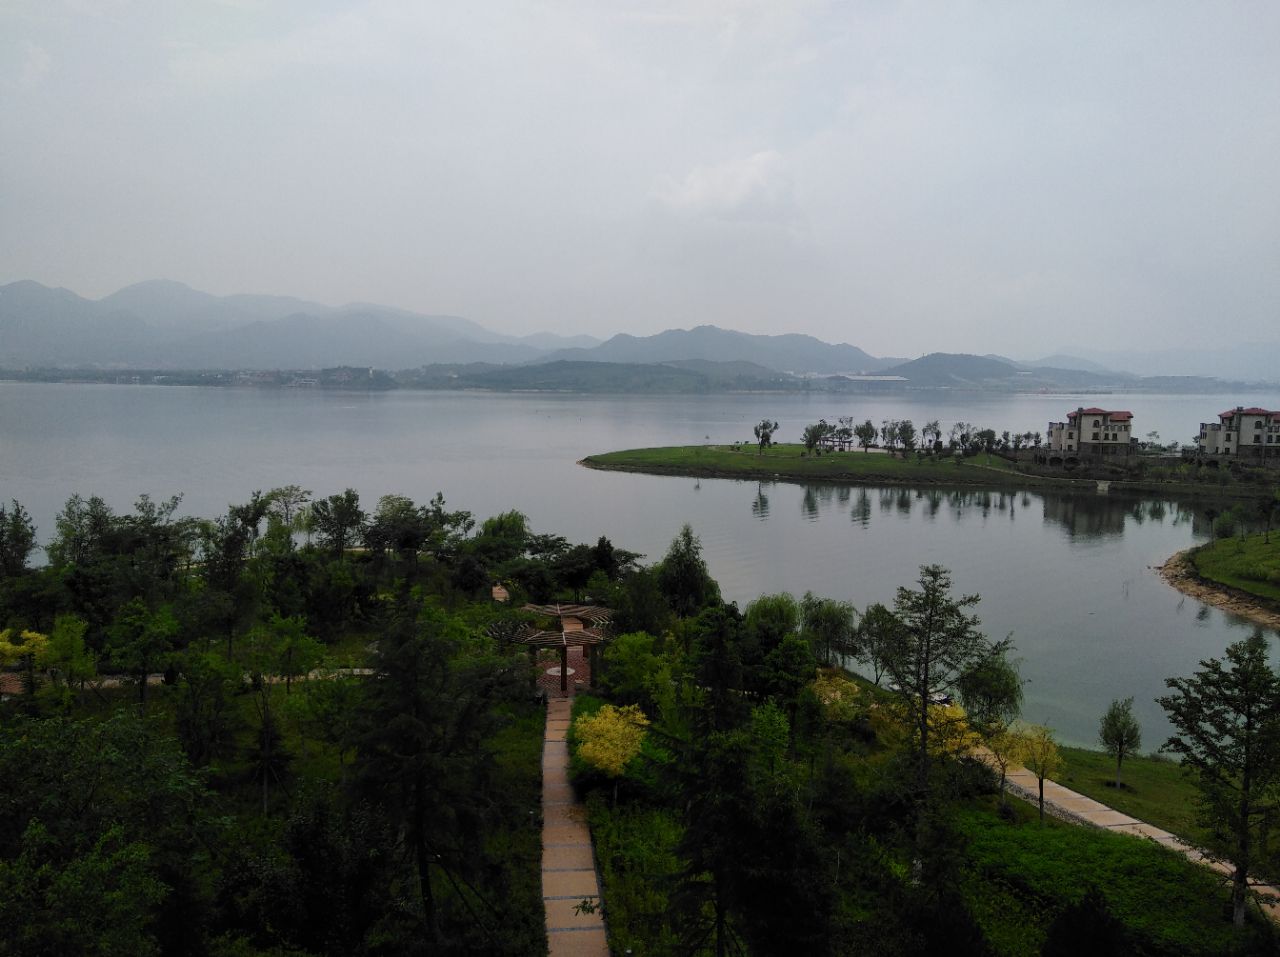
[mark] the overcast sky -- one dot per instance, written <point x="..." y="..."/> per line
<point x="1016" y="177"/>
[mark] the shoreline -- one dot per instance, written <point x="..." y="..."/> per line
<point x="1179" y="573"/>
<point x="1005" y="480"/>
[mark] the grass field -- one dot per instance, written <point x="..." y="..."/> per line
<point x="1152" y="790"/>
<point x="792" y="462"/>
<point x="1251" y="565"/>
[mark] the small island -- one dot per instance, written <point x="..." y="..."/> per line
<point x="793" y="462"/>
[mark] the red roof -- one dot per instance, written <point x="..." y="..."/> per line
<point x="1117" y="416"/>
<point x="1254" y="411"/>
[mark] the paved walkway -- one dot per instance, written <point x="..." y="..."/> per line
<point x="568" y="861"/>
<point x="1079" y="809"/>
<point x="579" y="674"/>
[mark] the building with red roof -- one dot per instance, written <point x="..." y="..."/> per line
<point x="1093" y="434"/>
<point x="1251" y="433"/>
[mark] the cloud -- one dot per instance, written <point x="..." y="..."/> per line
<point x="756" y="188"/>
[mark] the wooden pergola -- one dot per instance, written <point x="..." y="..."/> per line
<point x="587" y="626"/>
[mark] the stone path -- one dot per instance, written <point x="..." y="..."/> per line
<point x="1075" y="807"/>
<point x="568" y="861"/>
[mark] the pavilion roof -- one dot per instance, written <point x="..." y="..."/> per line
<point x="578" y="625"/>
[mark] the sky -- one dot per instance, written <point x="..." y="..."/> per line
<point x="1017" y="177"/>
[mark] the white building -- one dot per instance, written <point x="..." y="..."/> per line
<point x="1250" y="433"/>
<point x="1090" y="433"/>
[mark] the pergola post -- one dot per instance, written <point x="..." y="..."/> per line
<point x="564" y="669"/>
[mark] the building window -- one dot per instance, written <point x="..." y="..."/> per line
<point x="1095" y="434"/>
<point x="1096" y="423"/>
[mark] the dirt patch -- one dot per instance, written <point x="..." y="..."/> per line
<point x="1180" y="572"/>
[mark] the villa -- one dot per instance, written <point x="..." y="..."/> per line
<point x="1245" y="433"/>
<point x="1093" y="433"/>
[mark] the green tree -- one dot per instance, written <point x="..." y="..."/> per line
<point x="430" y="709"/>
<point x="991" y="692"/>
<point x="814" y="434"/>
<point x="1119" y="733"/>
<point x="683" y="576"/>
<point x="764" y="430"/>
<point x="1228" y="737"/>
<point x="1040" y="753"/>
<point x="829" y="626"/>
<point x="17" y="540"/>
<point x="204" y="707"/>
<point x="68" y="660"/>
<point x="907" y="435"/>
<point x="338" y="521"/>
<point x="140" y="641"/>
<point x="889" y="434"/>
<point x="877" y="639"/>
<point x="866" y="434"/>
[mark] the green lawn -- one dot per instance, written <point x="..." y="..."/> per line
<point x="792" y="462"/>
<point x="1251" y="565"/>
<point x="1152" y="790"/>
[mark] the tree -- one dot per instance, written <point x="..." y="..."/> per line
<point x="429" y="714"/>
<point x="932" y="433"/>
<point x="1119" y="733"/>
<point x="140" y="642"/>
<point x="991" y="692"/>
<point x="889" y="434"/>
<point x="609" y="739"/>
<point x="338" y="521"/>
<point x="1040" y="754"/>
<point x="17" y="540"/>
<point x="69" y="662"/>
<point x="814" y="434"/>
<point x="866" y="434"/>
<point x="1227" y="718"/>
<point x="829" y="627"/>
<point x="24" y="649"/>
<point x="287" y="501"/>
<point x="764" y="434"/>
<point x="1006" y="747"/>
<point x="683" y="576"/>
<point x="906" y="435"/>
<point x="877" y="639"/>
<point x="935" y="644"/>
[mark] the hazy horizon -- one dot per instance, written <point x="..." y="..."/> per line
<point x="905" y="178"/>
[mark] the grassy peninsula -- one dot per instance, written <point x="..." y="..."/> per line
<point x="792" y="461"/>
<point x="1250" y="565"/>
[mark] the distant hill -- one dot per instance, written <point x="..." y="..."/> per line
<point x="943" y="370"/>
<point x="570" y="376"/>
<point x="167" y="325"/>
<point x="1058" y="361"/>
<point x="785" y="353"/>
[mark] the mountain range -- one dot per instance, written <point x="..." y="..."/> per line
<point x="165" y="325"/>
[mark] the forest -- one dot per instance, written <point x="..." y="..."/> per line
<point x="298" y="728"/>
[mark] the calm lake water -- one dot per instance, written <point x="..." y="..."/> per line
<point x="1069" y="576"/>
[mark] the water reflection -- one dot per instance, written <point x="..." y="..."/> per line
<point x="1085" y="516"/>
<point x="760" y="504"/>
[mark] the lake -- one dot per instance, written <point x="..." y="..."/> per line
<point x="1069" y="576"/>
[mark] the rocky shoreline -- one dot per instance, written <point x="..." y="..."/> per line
<point x="1180" y="572"/>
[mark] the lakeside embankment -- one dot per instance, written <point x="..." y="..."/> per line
<point x="1208" y="573"/>
<point x="793" y="463"/>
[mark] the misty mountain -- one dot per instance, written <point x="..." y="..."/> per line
<point x="1059" y="361"/>
<point x="943" y="370"/>
<point x="784" y="353"/>
<point x="166" y="324"/>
